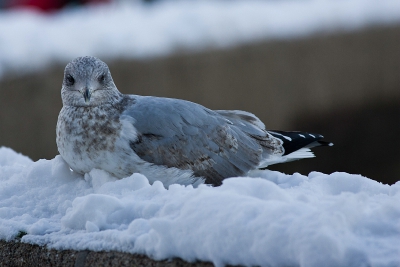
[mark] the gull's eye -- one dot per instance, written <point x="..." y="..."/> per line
<point x="102" y="78"/>
<point x="69" y="80"/>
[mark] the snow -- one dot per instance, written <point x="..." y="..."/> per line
<point x="131" y="29"/>
<point x="272" y="219"/>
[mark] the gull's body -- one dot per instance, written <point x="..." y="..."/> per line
<point x="170" y="140"/>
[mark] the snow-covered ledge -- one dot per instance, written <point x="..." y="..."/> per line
<point x="133" y="30"/>
<point x="270" y="219"/>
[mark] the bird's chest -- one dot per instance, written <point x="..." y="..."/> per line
<point x="86" y="136"/>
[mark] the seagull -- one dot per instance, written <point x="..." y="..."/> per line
<point x="165" y="139"/>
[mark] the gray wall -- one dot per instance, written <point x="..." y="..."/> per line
<point x="345" y="86"/>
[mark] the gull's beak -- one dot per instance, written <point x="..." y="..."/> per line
<point x="86" y="94"/>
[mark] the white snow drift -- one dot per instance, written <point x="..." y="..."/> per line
<point x="274" y="220"/>
<point x="127" y="29"/>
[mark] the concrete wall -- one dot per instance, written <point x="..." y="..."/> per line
<point x="345" y="86"/>
<point x="15" y="254"/>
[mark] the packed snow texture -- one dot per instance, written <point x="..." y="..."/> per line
<point x="272" y="219"/>
<point x="133" y="29"/>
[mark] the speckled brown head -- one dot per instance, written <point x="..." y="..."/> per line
<point x="88" y="82"/>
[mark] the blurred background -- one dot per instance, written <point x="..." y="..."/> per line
<point x="329" y="67"/>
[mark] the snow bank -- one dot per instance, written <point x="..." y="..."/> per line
<point x="275" y="220"/>
<point x="30" y="41"/>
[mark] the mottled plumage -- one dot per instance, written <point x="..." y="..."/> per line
<point x="170" y="140"/>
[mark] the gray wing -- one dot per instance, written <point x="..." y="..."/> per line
<point x="185" y="135"/>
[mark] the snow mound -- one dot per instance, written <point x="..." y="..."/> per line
<point x="9" y="158"/>
<point x="271" y="219"/>
<point x="127" y="29"/>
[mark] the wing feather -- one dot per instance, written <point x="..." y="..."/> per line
<point x="186" y="135"/>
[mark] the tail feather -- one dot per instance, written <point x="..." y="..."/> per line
<point x="302" y="153"/>
<point x="297" y="145"/>
<point x="294" y="141"/>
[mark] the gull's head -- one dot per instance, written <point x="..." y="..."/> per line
<point x="88" y="82"/>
